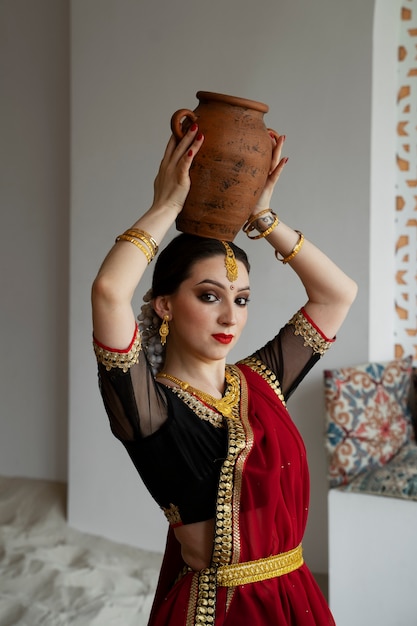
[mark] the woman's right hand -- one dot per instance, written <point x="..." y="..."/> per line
<point x="172" y="183"/>
<point x="123" y="268"/>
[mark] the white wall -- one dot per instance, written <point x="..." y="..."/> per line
<point x="34" y="196"/>
<point x="133" y="65"/>
<point x="386" y="36"/>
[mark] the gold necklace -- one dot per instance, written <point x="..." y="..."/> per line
<point x="223" y="405"/>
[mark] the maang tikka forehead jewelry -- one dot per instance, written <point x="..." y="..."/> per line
<point x="230" y="263"/>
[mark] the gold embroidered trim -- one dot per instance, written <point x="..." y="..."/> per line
<point x="172" y="513"/>
<point x="260" y="368"/>
<point x="311" y="336"/>
<point x="192" y="601"/>
<point x="223" y="546"/>
<point x="123" y="360"/>
<point x="205" y="603"/>
<point x="200" y="409"/>
<point x="262" y="569"/>
<point x="238" y="475"/>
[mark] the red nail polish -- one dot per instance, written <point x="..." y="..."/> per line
<point x="193" y="127"/>
<point x="190" y="153"/>
<point x="286" y="160"/>
<point x="199" y="136"/>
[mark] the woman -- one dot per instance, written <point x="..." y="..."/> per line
<point x="214" y="443"/>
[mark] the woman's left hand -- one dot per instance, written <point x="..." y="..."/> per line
<point x="277" y="165"/>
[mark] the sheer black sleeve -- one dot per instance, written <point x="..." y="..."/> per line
<point x="293" y="352"/>
<point x="135" y="404"/>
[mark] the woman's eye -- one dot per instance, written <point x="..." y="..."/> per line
<point x="208" y="297"/>
<point x="241" y="301"/>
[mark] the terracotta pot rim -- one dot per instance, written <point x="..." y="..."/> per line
<point x="232" y="100"/>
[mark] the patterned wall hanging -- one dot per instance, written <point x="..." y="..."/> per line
<point x="406" y="187"/>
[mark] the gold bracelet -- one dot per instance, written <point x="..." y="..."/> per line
<point x="268" y="231"/>
<point x="137" y="243"/>
<point x="145" y="237"/>
<point x="294" y="251"/>
<point x="136" y="235"/>
<point x="248" y="226"/>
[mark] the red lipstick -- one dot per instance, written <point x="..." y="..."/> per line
<point x="222" y="338"/>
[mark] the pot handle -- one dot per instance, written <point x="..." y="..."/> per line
<point x="179" y="127"/>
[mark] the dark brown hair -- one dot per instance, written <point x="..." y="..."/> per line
<point x="175" y="262"/>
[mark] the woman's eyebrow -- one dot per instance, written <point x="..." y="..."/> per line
<point x="214" y="282"/>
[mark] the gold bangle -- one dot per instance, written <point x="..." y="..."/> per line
<point x="268" y="231"/>
<point x="294" y="251"/>
<point x="137" y="243"/>
<point x="248" y="226"/>
<point x="148" y="240"/>
<point x="145" y="241"/>
<point x="145" y="237"/>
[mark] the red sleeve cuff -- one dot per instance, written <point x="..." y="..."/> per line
<point x="308" y="318"/>
<point x="125" y="350"/>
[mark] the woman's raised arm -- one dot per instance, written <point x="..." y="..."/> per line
<point x="123" y="267"/>
<point x="329" y="290"/>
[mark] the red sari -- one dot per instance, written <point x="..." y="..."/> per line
<point x="259" y="499"/>
<point x="266" y="482"/>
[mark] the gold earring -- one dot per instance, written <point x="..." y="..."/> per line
<point x="164" y="330"/>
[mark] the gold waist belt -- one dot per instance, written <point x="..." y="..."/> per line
<point x="262" y="569"/>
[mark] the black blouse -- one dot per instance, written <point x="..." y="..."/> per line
<point x="178" y="450"/>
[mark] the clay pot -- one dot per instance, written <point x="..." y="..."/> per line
<point x="229" y="172"/>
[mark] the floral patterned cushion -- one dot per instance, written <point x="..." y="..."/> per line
<point x="396" y="479"/>
<point x="368" y="419"/>
<point x="413" y="400"/>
